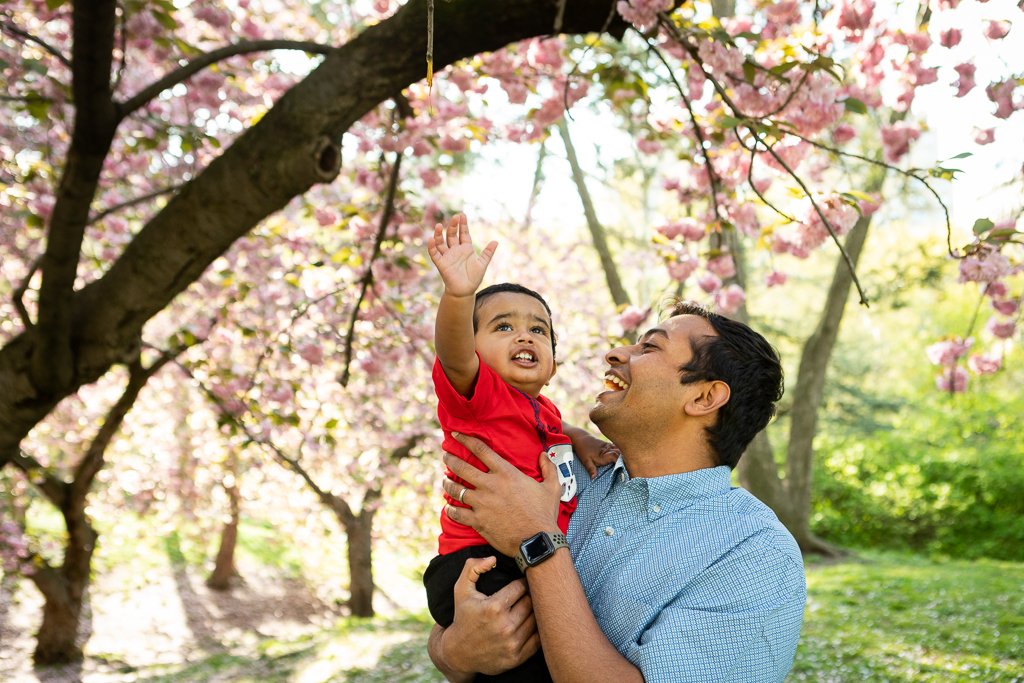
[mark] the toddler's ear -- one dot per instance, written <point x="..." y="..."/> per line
<point x="554" y="369"/>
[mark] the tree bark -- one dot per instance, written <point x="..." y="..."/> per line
<point x="359" y="536"/>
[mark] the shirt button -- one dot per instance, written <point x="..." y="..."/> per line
<point x="622" y="476"/>
<point x="656" y="508"/>
<point x="609" y="531"/>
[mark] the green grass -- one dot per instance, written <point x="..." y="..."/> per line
<point x="893" y="618"/>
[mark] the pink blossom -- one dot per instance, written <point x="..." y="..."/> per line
<point x="450" y="143"/>
<point x="430" y="178"/>
<point x="709" y="282"/>
<point x="985" y="137"/>
<point x="870" y="205"/>
<point x="966" y="81"/>
<point x="950" y="37"/>
<point x="996" y="290"/>
<point x="1006" y="306"/>
<point x="984" y="265"/>
<point x="730" y="299"/>
<point x="1002" y="95"/>
<point x="648" y="146"/>
<point x="1003" y="329"/>
<point x="984" y="364"/>
<point x="642" y="13"/>
<point x="544" y="52"/>
<point x="775" y="278"/>
<point x="312" y="353"/>
<point x="844" y="132"/>
<point x="720" y="58"/>
<point x="691" y="231"/>
<point x="915" y="42"/>
<point x="896" y="140"/>
<point x="722" y="266"/>
<point x="947" y="352"/>
<point x="324" y="217"/>
<point x="997" y="30"/>
<point x="744" y="217"/>
<point x="681" y="269"/>
<point x="632" y="317"/>
<point x="952" y="380"/>
<point x="214" y="16"/>
<point x="855" y="15"/>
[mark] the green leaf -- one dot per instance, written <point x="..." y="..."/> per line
<point x="54" y="4"/>
<point x="982" y="225"/>
<point x="962" y="155"/>
<point x="749" y="71"/>
<point x="38" y="108"/>
<point x="730" y="121"/>
<point x="854" y="105"/>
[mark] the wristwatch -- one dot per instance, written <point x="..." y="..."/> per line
<point x="538" y="548"/>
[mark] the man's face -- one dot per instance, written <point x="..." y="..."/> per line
<point x="642" y="384"/>
<point x="514" y="338"/>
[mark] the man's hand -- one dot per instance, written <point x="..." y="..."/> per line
<point x="490" y="634"/>
<point x="451" y="250"/>
<point x="505" y="506"/>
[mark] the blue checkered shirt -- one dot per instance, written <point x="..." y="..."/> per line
<point x="689" y="578"/>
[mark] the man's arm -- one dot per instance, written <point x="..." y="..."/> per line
<point x="462" y="270"/>
<point x="490" y="634"/>
<point x="507" y="507"/>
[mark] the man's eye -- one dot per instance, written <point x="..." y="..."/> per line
<point x="647" y="346"/>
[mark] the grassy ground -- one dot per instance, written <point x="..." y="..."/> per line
<point x="881" y="617"/>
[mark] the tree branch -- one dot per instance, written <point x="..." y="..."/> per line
<point x="201" y="62"/>
<point x="96" y="218"/>
<point x="18" y="296"/>
<point x="367" y="279"/>
<point x="93" y="130"/>
<point x="29" y="38"/>
<point x="55" y="490"/>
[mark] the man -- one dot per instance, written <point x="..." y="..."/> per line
<point x="673" y="574"/>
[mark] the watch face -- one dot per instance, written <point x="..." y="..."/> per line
<point x="537" y="548"/>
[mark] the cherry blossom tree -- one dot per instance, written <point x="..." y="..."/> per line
<point x="256" y="177"/>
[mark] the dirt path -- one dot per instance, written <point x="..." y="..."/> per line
<point x="143" y="625"/>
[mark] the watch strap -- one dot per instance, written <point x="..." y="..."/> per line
<point x="557" y="541"/>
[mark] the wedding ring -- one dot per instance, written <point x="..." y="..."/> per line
<point x="462" y="494"/>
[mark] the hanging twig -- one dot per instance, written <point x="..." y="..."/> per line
<point x="96" y="218"/>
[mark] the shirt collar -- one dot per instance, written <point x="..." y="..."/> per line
<point x="673" y="492"/>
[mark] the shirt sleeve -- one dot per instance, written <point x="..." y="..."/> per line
<point x="738" y="621"/>
<point x="484" y="400"/>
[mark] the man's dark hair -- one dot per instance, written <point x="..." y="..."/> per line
<point x="745" y="361"/>
<point x="513" y="288"/>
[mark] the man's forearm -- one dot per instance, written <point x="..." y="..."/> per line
<point x="435" y="647"/>
<point x="574" y="646"/>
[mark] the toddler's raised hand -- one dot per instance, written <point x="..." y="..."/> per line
<point x="451" y="250"/>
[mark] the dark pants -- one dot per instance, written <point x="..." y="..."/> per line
<point x="440" y="577"/>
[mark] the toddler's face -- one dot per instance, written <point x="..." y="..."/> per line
<point x="514" y="338"/>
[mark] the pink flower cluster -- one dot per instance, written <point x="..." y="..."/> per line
<point x="986" y="264"/>
<point x="632" y="317"/>
<point x="896" y="140"/>
<point x="948" y="351"/>
<point x="642" y="13"/>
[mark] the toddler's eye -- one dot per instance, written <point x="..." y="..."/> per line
<point x="539" y="330"/>
<point x="503" y="327"/>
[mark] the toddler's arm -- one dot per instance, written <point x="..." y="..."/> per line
<point x="462" y="270"/>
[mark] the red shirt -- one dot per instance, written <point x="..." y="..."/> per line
<point x="510" y="421"/>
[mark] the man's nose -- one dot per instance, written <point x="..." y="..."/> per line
<point x="617" y="356"/>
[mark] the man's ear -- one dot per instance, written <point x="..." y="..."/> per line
<point x="713" y="395"/>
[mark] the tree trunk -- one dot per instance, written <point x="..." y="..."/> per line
<point x="63" y="592"/>
<point x="359" y="534"/>
<point x="224" y="566"/>
<point x="597" y="231"/>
